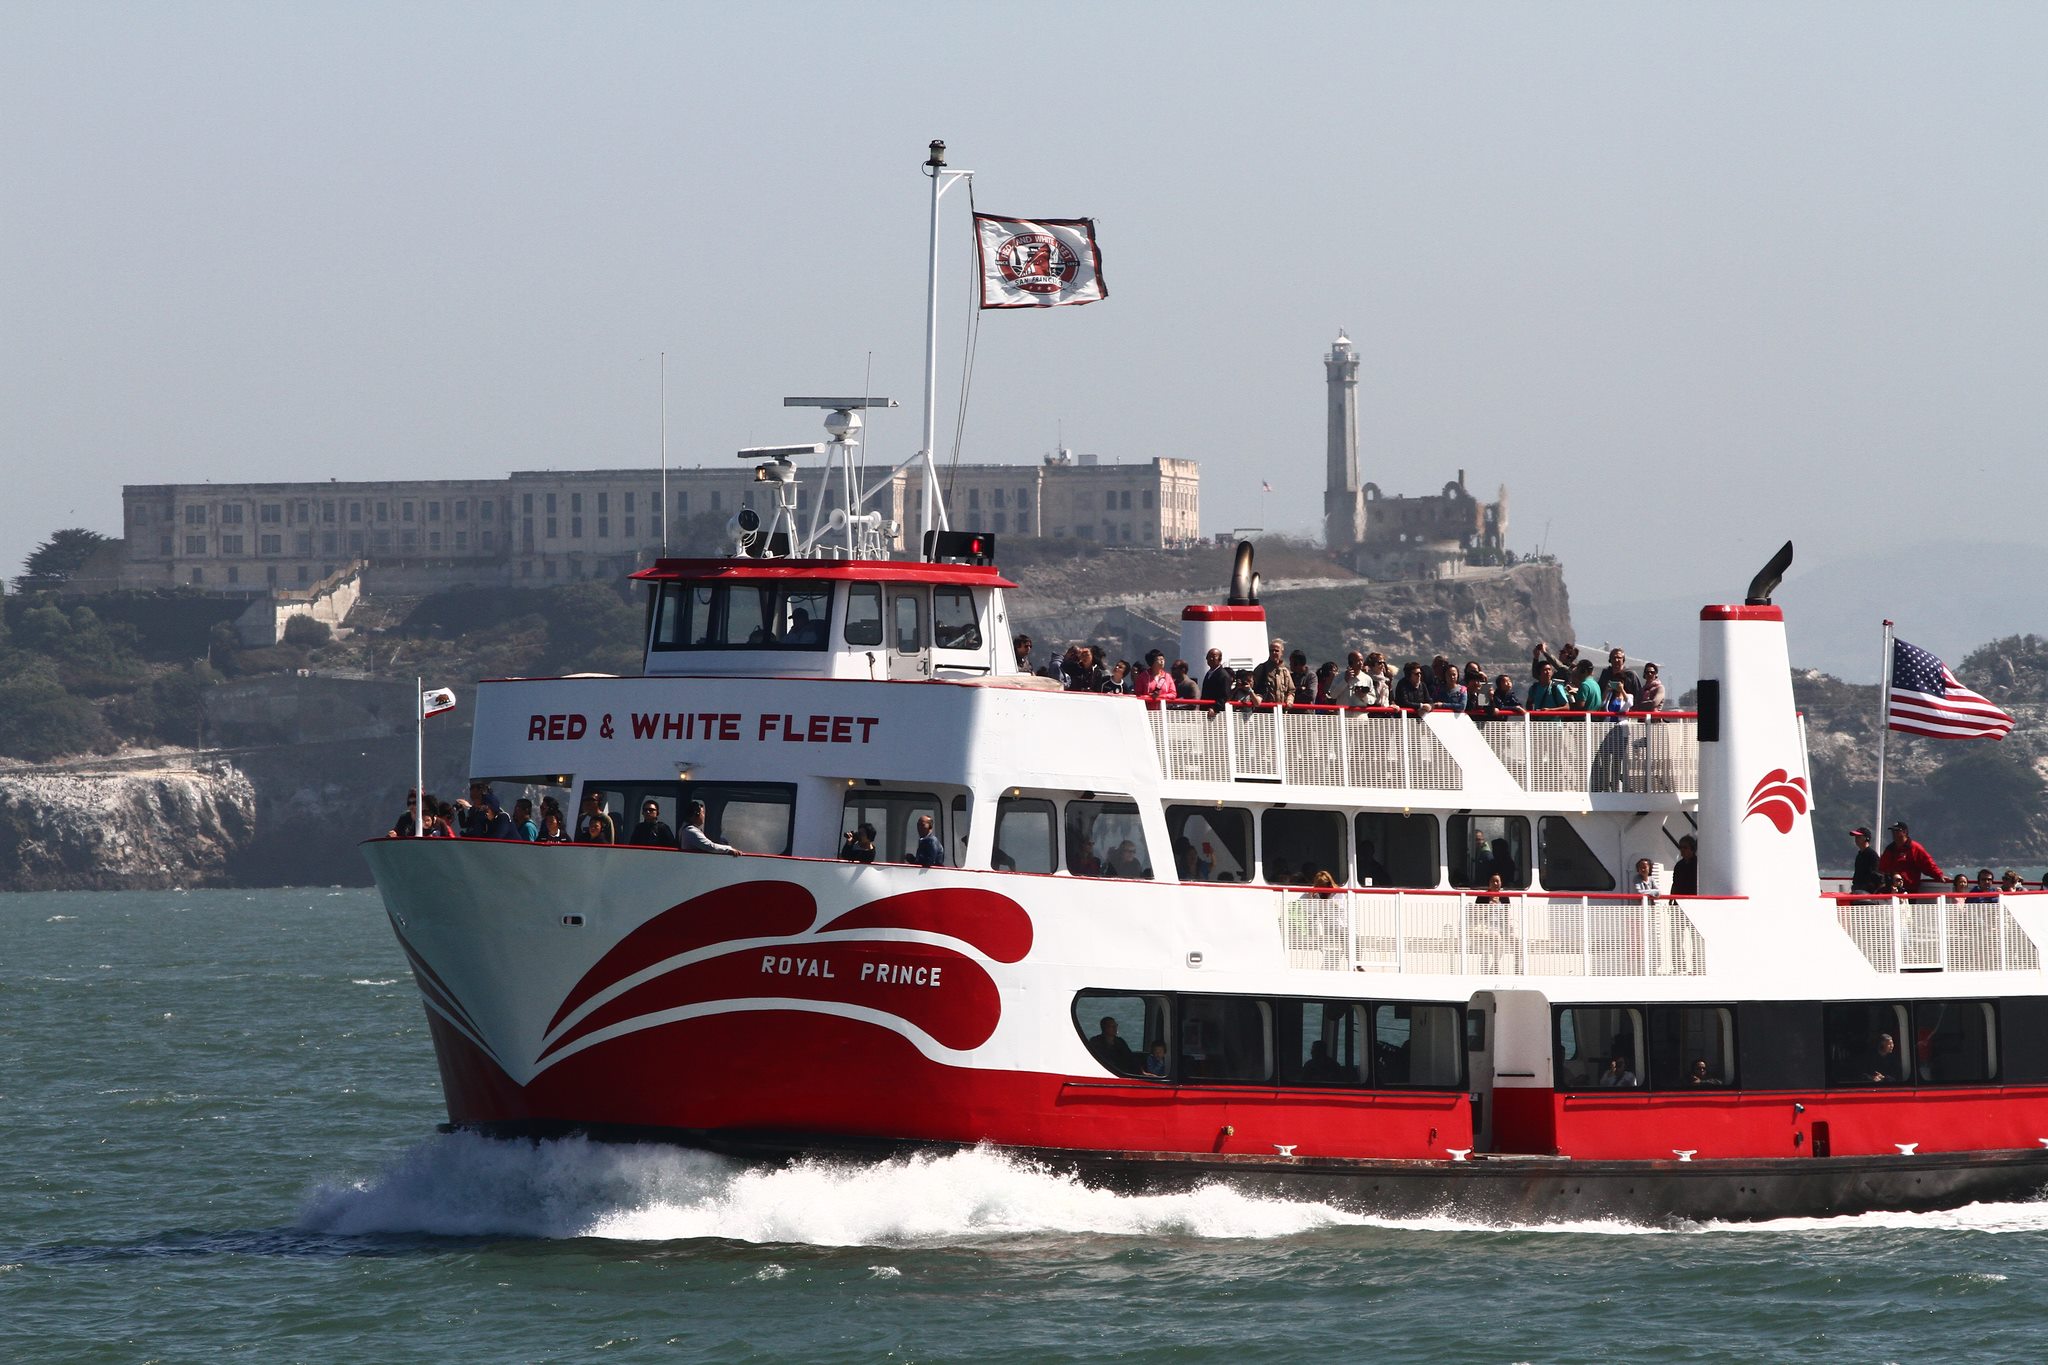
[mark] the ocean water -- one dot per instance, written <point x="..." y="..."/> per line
<point x="219" y="1113"/>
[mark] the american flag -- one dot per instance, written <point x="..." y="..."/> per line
<point x="1927" y="700"/>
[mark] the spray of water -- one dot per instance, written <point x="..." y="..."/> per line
<point x="462" y="1185"/>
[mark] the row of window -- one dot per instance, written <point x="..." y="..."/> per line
<point x="273" y="514"/>
<point x="331" y="542"/>
<point x="1779" y="1045"/>
<point x="797" y="614"/>
<point x="1255" y="1040"/>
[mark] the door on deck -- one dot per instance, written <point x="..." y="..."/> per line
<point x="908" y="653"/>
<point x="1507" y="1039"/>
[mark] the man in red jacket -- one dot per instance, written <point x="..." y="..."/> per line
<point x="1905" y="856"/>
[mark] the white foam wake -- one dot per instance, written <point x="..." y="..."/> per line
<point x="464" y="1185"/>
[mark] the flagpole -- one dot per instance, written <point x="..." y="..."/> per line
<point x="935" y="168"/>
<point x="1884" y="723"/>
<point x="664" y="454"/>
<point x="419" y="757"/>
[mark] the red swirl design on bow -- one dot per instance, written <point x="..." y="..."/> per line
<point x="1780" y="798"/>
<point x="937" y="990"/>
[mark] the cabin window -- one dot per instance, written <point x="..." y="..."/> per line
<point x="909" y="622"/>
<point x="956" y="624"/>
<point x="780" y="615"/>
<point x="1297" y="844"/>
<point x="1026" y="836"/>
<point x="1692" y="1047"/>
<point x="1121" y="1031"/>
<point x="1868" y="1044"/>
<point x="864" y="614"/>
<point x="1565" y="863"/>
<point x="1225" y="1038"/>
<point x="1419" y="1045"/>
<point x="959" y="844"/>
<point x="1106" y="839"/>
<point x="1484" y="845"/>
<point x="894" y="816"/>
<point x="754" y="817"/>
<point x="1320" y="1042"/>
<point x="1955" y="1042"/>
<point x="1599" y="1047"/>
<point x="1397" y="850"/>
<point x="1211" y="843"/>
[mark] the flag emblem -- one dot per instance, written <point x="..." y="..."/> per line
<point x="1926" y="699"/>
<point x="1038" y="262"/>
<point x="435" y="702"/>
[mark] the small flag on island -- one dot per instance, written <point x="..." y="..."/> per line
<point x="435" y="702"/>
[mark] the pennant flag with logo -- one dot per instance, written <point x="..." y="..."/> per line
<point x="1038" y="262"/>
<point x="435" y="702"/>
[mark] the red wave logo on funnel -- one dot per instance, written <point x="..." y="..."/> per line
<point x="1780" y="798"/>
<point x="760" y="947"/>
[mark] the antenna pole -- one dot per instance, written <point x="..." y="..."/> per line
<point x="664" y="454"/>
<point x="1884" y="724"/>
<point x="941" y="178"/>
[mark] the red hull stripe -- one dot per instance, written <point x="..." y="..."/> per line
<point x="748" y="910"/>
<point x="995" y="924"/>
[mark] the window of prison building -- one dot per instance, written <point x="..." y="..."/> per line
<point x="1106" y="839"/>
<point x="1564" y="862"/>
<point x="1484" y="845"/>
<point x="1418" y="1045"/>
<point x="1211" y="843"/>
<point x="1295" y="845"/>
<point x="1692" y="1047"/>
<point x="956" y="624"/>
<point x="894" y="816"/>
<point x="1225" y="1038"/>
<point x="1397" y="850"/>
<point x="1320" y="1042"/>
<point x="1599" y="1047"/>
<point x="1027" y="836"/>
<point x="1869" y="1043"/>
<point x="1955" y="1042"/>
<point x="1119" y="1029"/>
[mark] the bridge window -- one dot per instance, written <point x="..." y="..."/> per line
<point x="1692" y="1047"/>
<point x="1565" y="861"/>
<point x="1320" y="1042"/>
<point x="1120" y="1030"/>
<point x="1397" y="850"/>
<point x="1297" y="844"/>
<point x="864" y="614"/>
<point x="1025" y="836"/>
<point x="1419" y="1045"/>
<point x="1106" y="839"/>
<point x="909" y="613"/>
<point x="955" y="623"/>
<point x="781" y="615"/>
<point x="1599" y="1047"/>
<point x="1225" y="1038"/>
<point x="1483" y="845"/>
<point x="1211" y="843"/>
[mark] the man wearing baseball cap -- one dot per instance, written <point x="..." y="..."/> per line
<point x="1866" y="877"/>
<point x="1905" y="856"/>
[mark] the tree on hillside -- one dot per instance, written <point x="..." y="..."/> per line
<point x="52" y="563"/>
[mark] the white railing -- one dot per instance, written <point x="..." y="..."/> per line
<point x="1451" y="932"/>
<point x="1937" y="933"/>
<point x="1329" y="747"/>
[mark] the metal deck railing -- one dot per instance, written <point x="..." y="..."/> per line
<point x="1969" y="933"/>
<point x="1456" y="932"/>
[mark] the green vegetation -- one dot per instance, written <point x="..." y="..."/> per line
<point x="53" y="562"/>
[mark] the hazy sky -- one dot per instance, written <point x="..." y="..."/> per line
<point x="1689" y="279"/>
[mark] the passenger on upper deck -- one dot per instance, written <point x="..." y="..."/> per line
<point x="523" y="823"/>
<point x="1651" y="698"/>
<point x="551" y="831"/>
<point x="1866" y="877"/>
<point x="1183" y="685"/>
<point x="1585" y="692"/>
<point x="1986" y="890"/>
<point x="1022" y="644"/>
<point x="1157" y="684"/>
<point x="1905" y="856"/>
<point x="1646" y="878"/>
<point x="1304" y="680"/>
<point x="1685" y="873"/>
<point x="1547" y="693"/>
<point x="1445" y="689"/>
<point x="401" y="828"/>
<point x="859" y="846"/>
<point x="1504" y="701"/>
<point x="1272" y="681"/>
<point x="929" y="852"/>
<point x="1215" y="682"/>
<point x="1413" y="690"/>
<point x="1618" y="671"/>
<point x="1326" y="685"/>
<point x="652" y="831"/>
<point x="2011" y="881"/>
<point x="692" y="837"/>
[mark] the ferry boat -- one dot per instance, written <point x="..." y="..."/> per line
<point x="1108" y="959"/>
<point x="1114" y="967"/>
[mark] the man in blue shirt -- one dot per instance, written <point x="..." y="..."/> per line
<point x="929" y="853"/>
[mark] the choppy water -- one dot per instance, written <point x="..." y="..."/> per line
<point x="219" y="1112"/>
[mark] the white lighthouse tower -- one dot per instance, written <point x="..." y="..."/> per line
<point x="1343" y="503"/>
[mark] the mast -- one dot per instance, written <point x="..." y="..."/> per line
<point x="942" y="179"/>
<point x="1884" y="724"/>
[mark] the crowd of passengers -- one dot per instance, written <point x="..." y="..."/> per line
<point x="480" y="815"/>
<point x="1563" y="681"/>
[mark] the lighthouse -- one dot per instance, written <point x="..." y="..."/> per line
<point x="1343" y="503"/>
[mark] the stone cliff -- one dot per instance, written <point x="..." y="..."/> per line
<point x="138" y="824"/>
